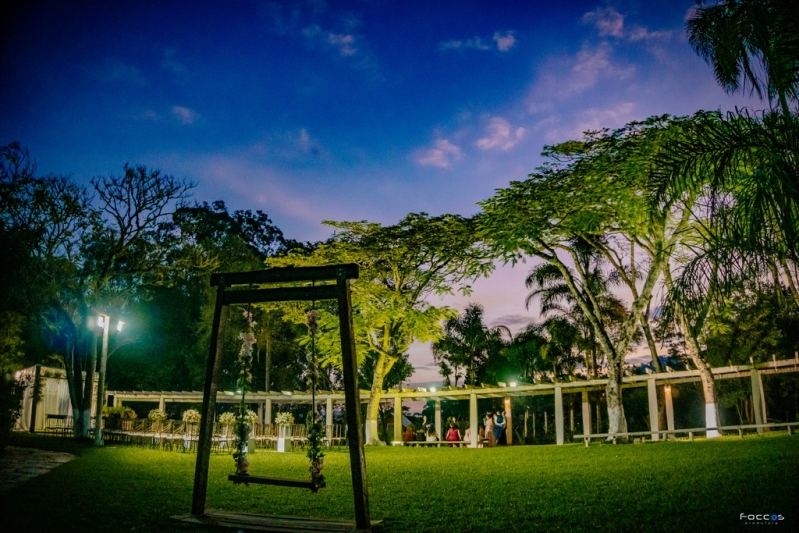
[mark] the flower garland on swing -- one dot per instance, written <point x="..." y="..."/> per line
<point x="244" y="422"/>
<point x="315" y="453"/>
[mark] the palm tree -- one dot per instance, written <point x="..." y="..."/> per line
<point x="467" y="343"/>
<point x="753" y="42"/>
<point x="546" y="283"/>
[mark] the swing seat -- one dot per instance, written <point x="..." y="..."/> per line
<point x="281" y="482"/>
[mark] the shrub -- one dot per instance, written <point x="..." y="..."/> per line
<point x="12" y="392"/>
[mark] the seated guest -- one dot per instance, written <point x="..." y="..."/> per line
<point x="409" y="433"/>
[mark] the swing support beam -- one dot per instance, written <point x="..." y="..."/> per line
<point x="227" y="294"/>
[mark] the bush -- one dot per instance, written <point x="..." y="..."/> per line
<point x="12" y="392"/>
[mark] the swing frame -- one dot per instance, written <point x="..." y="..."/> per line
<point x="227" y="294"/>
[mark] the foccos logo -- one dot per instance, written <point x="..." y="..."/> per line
<point x="766" y="517"/>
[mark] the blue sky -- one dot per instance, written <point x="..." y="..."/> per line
<point x="360" y="110"/>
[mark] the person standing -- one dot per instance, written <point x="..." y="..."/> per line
<point x="500" y="423"/>
<point x="488" y="421"/>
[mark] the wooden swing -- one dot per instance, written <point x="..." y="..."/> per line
<point x="229" y="294"/>
<point x="313" y="485"/>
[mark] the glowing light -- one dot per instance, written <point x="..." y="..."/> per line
<point x="101" y="321"/>
<point x="512" y="383"/>
<point x="668" y="388"/>
<point x="119" y="325"/>
<point x="18" y="374"/>
<point x="432" y="389"/>
<point x="287" y="392"/>
<point x="228" y="393"/>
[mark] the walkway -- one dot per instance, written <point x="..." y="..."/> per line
<point x="18" y="465"/>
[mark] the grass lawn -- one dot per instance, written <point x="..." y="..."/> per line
<point x="675" y="486"/>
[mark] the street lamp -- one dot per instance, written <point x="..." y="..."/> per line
<point x="103" y="321"/>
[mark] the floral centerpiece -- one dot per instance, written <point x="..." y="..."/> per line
<point x="284" y="419"/>
<point x="245" y="419"/>
<point x="191" y="416"/>
<point x="156" y="415"/>
<point x="284" y="422"/>
<point x="227" y="419"/>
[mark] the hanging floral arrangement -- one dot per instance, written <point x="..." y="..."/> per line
<point x="316" y="432"/>
<point x="244" y="422"/>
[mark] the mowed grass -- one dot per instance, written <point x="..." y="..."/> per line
<point x="674" y="486"/>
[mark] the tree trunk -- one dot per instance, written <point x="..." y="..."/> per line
<point x="617" y="423"/>
<point x="711" y="411"/>
<point x="650" y="341"/>
<point x="384" y="364"/>
<point x="88" y="389"/>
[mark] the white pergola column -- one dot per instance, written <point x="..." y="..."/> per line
<point x="474" y="428"/>
<point x="669" y="408"/>
<point x="526" y="417"/>
<point x="329" y="413"/>
<point x="652" y="393"/>
<point x="261" y="413"/>
<point x="757" y="398"/>
<point x="509" y="419"/>
<point x="162" y="404"/>
<point x="586" y="414"/>
<point x="268" y="411"/>
<point x="398" y="418"/>
<point x="438" y="419"/>
<point x="559" y="415"/>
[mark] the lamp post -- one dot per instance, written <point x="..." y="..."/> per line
<point x="103" y="321"/>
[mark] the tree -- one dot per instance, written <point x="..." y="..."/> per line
<point x="753" y="42"/>
<point x="595" y="190"/>
<point x="401" y="266"/>
<point x="546" y="282"/>
<point x="467" y="344"/>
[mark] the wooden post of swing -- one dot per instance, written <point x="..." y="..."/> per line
<point x="352" y="402"/>
<point x="209" y="405"/>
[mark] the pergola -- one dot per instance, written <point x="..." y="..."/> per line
<point x="265" y="400"/>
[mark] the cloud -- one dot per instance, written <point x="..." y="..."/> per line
<point x="308" y="145"/>
<point x="184" y="114"/>
<point x="639" y="33"/>
<point x="500" y="135"/>
<point x="511" y="320"/>
<point x="610" y="22"/>
<point x="607" y="20"/>
<point x="441" y="156"/>
<point x="503" y="41"/>
<point x="114" y="70"/>
<point x="149" y="114"/>
<point x="594" y="119"/>
<point x="344" y="43"/>
<point x="170" y="64"/>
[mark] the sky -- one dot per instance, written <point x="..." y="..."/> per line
<point x="359" y="110"/>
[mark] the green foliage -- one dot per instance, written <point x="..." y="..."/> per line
<point x="12" y="392"/>
<point x="750" y="42"/>
<point x="121" y="411"/>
